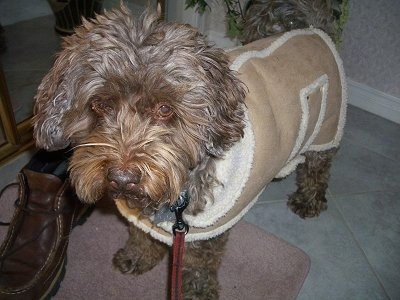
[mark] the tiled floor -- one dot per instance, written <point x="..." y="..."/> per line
<point x="355" y="245"/>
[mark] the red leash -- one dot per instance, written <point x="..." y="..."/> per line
<point x="177" y="260"/>
<point x="179" y="229"/>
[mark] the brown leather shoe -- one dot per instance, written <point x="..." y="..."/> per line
<point x="33" y="254"/>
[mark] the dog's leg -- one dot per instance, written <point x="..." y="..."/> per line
<point x="200" y="266"/>
<point x="312" y="181"/>
<point x="140" y="254"/>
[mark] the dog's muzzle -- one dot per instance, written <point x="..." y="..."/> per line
<point x="124" y="184"/>
<point x="123" y="180"/>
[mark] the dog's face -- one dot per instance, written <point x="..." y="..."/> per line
<point x="143" y="103"/>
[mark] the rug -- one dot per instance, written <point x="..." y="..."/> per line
<point x="256" y="265"/>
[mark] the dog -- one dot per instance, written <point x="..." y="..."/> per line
<point x="264" y="18"/>
<point x="154" y="110"/>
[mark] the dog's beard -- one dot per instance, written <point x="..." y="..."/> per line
<point x="164" y="170"/>
<point x="136" y="197"/>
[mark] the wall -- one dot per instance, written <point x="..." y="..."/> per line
<point x="371" y="56"/>
<point x="371" y="42"/>
<point x="371" y="48"/>
<point x="370" y="52"/>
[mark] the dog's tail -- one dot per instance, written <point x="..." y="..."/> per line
<point x="267" y="17"/>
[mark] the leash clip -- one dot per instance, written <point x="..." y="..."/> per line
<point x="178" y="208"/>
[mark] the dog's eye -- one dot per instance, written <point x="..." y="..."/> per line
<point x="102" y="108"/>
<point x="164" y="112"/>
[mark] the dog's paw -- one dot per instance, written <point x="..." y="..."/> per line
<point x="140" y="254"/>
<point x="130" y="261"/>
<point x="199" y="284"/>
<point x="124" y="263"/>
<point x="305" y="207"/>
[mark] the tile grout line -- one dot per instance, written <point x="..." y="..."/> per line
<point x="361" y="193"/>
<point x="337" y="206"/>
<point x="369" y="149"/>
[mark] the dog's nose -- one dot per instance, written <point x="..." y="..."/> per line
<point x="123" y="180"/>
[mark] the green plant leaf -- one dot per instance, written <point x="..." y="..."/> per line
<point x="235" y="26"/>
<point x="200" y="5"/>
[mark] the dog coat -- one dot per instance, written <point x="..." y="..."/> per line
<point x="296" y="102"/>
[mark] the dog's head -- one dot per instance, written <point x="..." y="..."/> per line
<point x="143" y="103"/>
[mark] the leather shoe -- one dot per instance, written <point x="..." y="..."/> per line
<point x="33" y="254"/>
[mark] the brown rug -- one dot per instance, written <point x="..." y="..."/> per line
<point x="257" y="265"/>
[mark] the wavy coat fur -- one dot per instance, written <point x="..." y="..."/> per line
<point x="105" y="93"/>
<point x="148" y="108"/>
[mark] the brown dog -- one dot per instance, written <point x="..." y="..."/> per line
<point x="153" y="109"/>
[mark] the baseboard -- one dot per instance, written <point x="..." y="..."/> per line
<point x="374" y="101"/>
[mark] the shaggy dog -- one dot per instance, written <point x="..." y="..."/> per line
<point x="151" y="108"/>
<point x="268" y="17"/>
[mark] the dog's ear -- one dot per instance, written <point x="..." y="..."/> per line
<point x="52" y="102"/>
<point x="58" y="114"/>
<point x="227" y="106"/>
<point x="58" y="89"/>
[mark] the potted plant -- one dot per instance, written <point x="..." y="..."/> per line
<point x="236" y="10"/>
